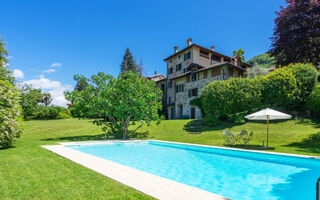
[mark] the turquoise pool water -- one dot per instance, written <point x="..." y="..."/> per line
<point x="230" y="173"/>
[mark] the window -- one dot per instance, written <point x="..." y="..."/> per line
<point x="169" y="99"/>
<point x="193" y="77"/>
<point x="184" y="70"/>
<point x="179" y="57"/>
<point x="170" y="70"/>
<point x="170" y="83"/>
<point x="193" y="92"/>
<point x="215" y="58"/>
<point x="204" y="53"/>
<point x="187" y="56"/>
<point x="179" y="88"/>
<point x="178" y="67"/>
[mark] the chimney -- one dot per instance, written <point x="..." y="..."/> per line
<point x="175" y="49"/>
<point x="155" y="73"/>
<point x="189" y="41"/>
<point x="212" y="48"/>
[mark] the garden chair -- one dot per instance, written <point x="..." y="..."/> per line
<point x="248" y="138"/>
<point x="239" y="136"/>
<point x="228" y="137"/>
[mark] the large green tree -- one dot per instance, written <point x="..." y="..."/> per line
<point x="296" y="37"/>
<point x="30" y="98"/>
<point x="10" y="108"/>
<point x="114" y="104"/>
<point x="129" y="63"/>
<point x="5" y="74"/>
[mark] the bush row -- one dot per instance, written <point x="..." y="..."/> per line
<point x="51" y="112"/>
<point x="286" y="89"/>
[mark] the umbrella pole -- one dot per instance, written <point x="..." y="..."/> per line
<point x="267" y="130"/>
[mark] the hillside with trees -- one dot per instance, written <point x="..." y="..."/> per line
<point x="263" y="61"/>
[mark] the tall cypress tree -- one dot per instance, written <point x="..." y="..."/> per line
<point x="296" y="35"/>
<point x="128" y="62"/>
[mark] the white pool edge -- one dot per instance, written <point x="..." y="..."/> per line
<point x="192" y="144"/>
<point x="155" y="186"/>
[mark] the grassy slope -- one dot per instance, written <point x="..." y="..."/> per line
<point x="284" y="136"/>
<point x="29" y="171"/>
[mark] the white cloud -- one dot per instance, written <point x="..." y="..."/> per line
<point x="17" y="73"/>
<point x="56" y="64"/>
<point x="49" y="71"/>
<point x="55" y="88"/>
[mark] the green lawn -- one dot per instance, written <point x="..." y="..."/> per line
<point x="28" y="171"/>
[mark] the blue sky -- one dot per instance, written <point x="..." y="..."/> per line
<point x="49" y="41"/>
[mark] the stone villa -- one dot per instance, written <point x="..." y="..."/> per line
<point x="188" y="71"/>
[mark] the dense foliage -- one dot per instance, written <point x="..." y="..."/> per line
<point x="306" y="79"/>
<point x="285" y="89"/>
<point x="262" y="61"/>
<point x="223" y="100"/>
<point x="114" y="104"/>
<point x="35" y="105"/>
<point x="280" y="89"/>
<point x="5" y="74"/>
<point x="256" y="71"/>
<point x="10" y="108"/>
<point x="10" y="113"/>
<point x="313" y="102"/>
<point x="51" y="112"/>
<point x="296" y="35"/>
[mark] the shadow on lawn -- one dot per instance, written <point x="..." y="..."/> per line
<point x="137" y="135"/>
<point x="199" y="125"/>
<point x="311" y="144"/>
<point x="77" y="138"/>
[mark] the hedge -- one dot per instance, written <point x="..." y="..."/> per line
<point x="286" y="89"/>
<point x="223" y="100"/>
<point x="313" y="102"/>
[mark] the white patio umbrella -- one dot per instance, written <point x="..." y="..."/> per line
<point x="267" y="114"/>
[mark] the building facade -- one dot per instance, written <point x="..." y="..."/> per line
<point x="188" y="72"/>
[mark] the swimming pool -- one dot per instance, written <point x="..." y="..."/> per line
<point x="231" y="173"/>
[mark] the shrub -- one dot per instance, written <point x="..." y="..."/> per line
<point x="313" y="102"/>
<point x="223" y="100"/>
<point x="66" y="114"/>
<point x="306" y="78"/>
<point x="10" y="114"/>
<point x="280" y="89"/>
<point x="51" y="112"/>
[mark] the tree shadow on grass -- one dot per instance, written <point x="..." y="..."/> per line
<point x="311" y="122"/>
<point x="77" y="138"/>
<point x="198" y="126"/>
<point x="311" y="144"/>
<point x="138" y="135"/>
<point x="250" y="147"/>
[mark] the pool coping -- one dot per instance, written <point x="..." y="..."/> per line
<point x="153" y="185"/>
